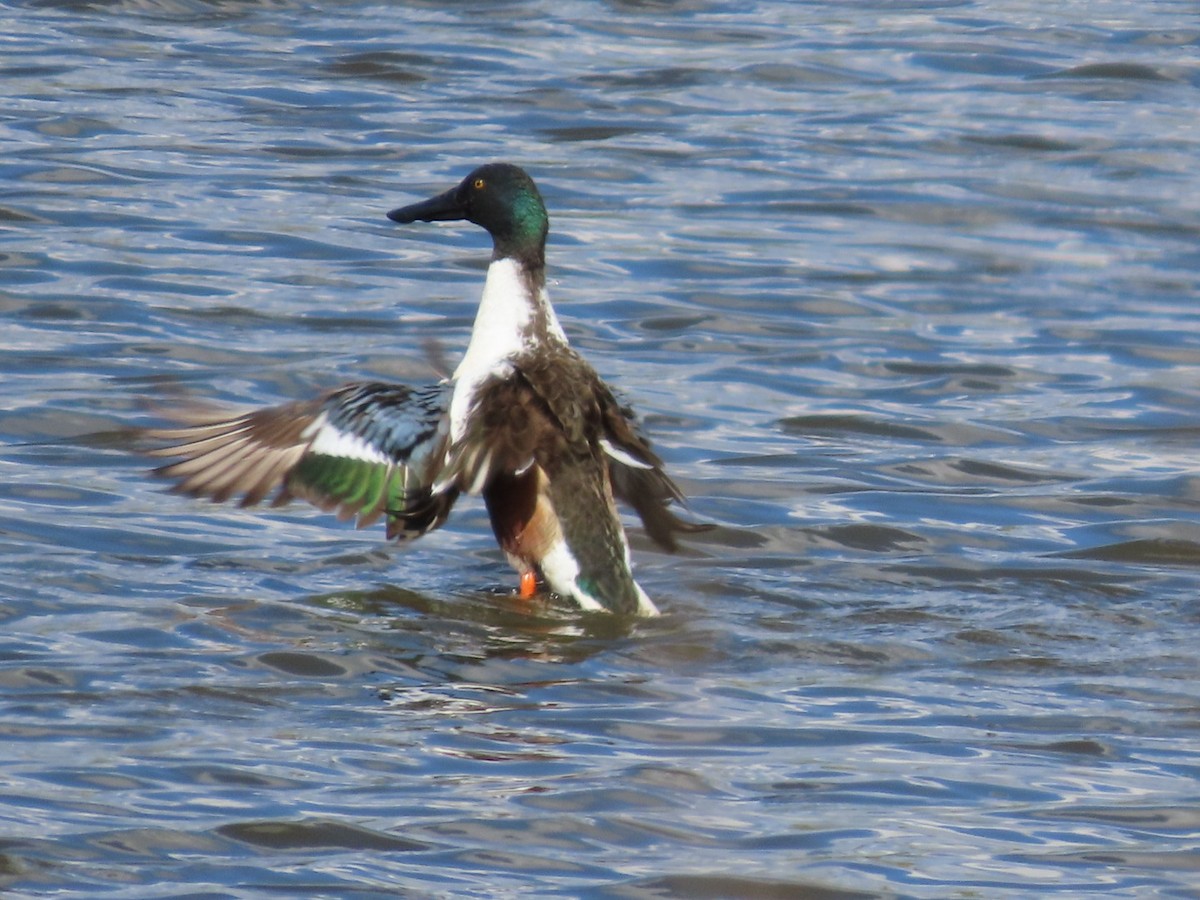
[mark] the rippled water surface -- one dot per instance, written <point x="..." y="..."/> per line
<point x="907" y="293"/>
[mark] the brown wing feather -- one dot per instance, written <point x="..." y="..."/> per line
<point x="646" y="487"/>
<point x="593" y="416"/>
<point x="249" y="454"/>
<point x="386" y="447"/>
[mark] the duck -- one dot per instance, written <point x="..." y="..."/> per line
<point x="524" y="421"/>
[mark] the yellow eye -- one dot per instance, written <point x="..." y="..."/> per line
<point x="479" y="184"/>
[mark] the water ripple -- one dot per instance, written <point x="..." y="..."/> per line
<point x="906" y="295"/>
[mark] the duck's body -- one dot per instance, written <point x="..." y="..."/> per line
<point x="524" y="421"/>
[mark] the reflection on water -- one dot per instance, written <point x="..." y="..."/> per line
<point x="906" y="295"/>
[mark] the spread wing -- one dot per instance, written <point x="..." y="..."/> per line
<point x="365" y="449"/>
<point x="637" y="474"/>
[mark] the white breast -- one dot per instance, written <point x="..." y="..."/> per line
<point x="502" y="328"/>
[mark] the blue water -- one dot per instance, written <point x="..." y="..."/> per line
<point x="907" y="294"/>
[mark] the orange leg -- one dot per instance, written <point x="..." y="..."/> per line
<point x="528" y="585"/>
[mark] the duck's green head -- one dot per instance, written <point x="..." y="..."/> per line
<point x="499" y="197"/>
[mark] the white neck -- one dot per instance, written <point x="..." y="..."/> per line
<point x="505" y="321"/>
<point x="504" y="326"/>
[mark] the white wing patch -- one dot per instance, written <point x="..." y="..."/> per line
<point x="329" y="441"/>
<point x="482" y="473"/>
<point x="621" y="456"/>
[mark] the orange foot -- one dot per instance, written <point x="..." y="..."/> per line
<point x="528" y="585"/>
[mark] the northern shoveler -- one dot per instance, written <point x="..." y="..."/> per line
<point x="524" y="421"/>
